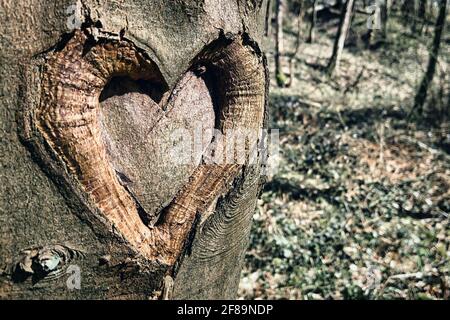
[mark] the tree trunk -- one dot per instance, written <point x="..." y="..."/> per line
<point x="279" y="48"/>
<point x="100" y="198"/>
<point x="344" y="25"/>
<point x="312" y="27"/>
<point x="339" y="4"/>
<point x="422" y="9"/>
<point x="408" y="13"/>
<point x="447" y="107"/>
<point x="385" y="9"/>
<point x="421" y="95"/>
<point x="422" y="14"/>
<point x="414" y="15"/>
<point x="268" y="18"/>
<point x="297" y="44"/>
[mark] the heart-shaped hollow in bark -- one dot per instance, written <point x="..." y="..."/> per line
<point x="139" y="135"/>
<point x="69" y="118"/>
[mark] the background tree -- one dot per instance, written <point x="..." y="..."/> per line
<point x="421" y="14"/>
<point x="297" y="42"/>
<point x="280" y="76"/>
<point x="344" y="25"/>
<point x="87" y="184"/>
<point x="353" y="125"/>
<point x="313" y="18"/>
<point x="385" y="10"/>
<point x="407" y="11"/>
<point x="268" y="19"/>
<point x="421" y="95"/>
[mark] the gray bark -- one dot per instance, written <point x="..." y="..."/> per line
<point x="49" y="225"/>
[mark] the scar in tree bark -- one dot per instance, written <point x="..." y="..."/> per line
<point x="68" y="119"/>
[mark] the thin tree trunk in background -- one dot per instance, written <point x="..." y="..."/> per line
<point x="447" y="107"/>
<point x="344" y="24"/>
<point x="268" y="18"/>
<point x="377" y="23"/>
<point x="429" y="15"/>
<point x="385" y="10"/>
<point x="431" y="9"/>
<point x="413" y="15"/>
<point x="281" y="78"/>
<point x="421" y="95"/>
<point x="409" y="16"/>
<point x="422" y="9"/>
<point x="421" y="14"/>
<point x="313" y="19"/>
<point x="297" y="44"/>
<point x="407" y="9"/>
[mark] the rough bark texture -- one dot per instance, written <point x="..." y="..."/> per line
<point x="86" y="179"/>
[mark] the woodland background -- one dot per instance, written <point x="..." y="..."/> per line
<point x="359" y="208"/>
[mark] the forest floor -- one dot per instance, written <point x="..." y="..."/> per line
<point x="359" y="207"/>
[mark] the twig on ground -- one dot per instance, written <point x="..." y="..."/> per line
<point x="354" y="85"/>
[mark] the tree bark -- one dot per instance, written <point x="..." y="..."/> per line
<point x="279" y="48"/>
<point x="421" y="95"/>
<point x="344" y="25"/>
<point x="94" y="203"/>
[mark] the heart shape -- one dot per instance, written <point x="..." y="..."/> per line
<point x="91" y="138"/>
<point x="138" y="134"/>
